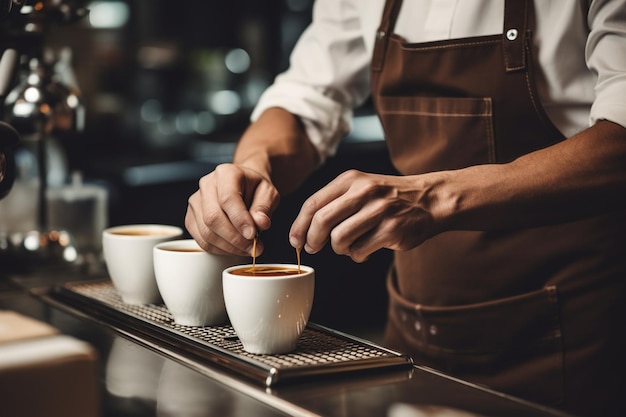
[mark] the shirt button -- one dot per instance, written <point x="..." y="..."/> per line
<point x="511" y="34"/>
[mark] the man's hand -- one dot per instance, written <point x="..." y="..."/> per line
<point x="361" y="213"/>
<point x="230" y="206"/>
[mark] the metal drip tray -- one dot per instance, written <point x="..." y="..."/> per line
<point x="320" y="350"/>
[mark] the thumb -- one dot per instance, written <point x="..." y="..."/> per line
<point x="264" y="203"/>
<point x="262" y="216"/>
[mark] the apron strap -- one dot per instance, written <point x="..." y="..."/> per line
<point x="516" y="15"/>
<point x="387" y="24"/>
<point x="514" y="35"/>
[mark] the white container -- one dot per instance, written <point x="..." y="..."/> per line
<point x="128" y="257"/>
<point x="190" y="282"/>
<point x="269" y="313"/>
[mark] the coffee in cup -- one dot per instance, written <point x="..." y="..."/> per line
<point x="266" y="271"/>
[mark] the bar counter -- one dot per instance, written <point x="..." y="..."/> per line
<point x="138" y="376"/>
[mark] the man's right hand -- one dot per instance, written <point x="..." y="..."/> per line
<point x="231" y="205"/>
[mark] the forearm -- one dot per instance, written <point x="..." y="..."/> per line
<point x="580" y="176"/>
<point x="276" y="146"/>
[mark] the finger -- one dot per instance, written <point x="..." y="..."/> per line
<point x="326" y="218"/>
<point x="264" y="202"/>
<point x="214" y="224"/>
<point x="191" y="223"/>
<point x="324" y="210"/>
<point x="230" y="184"/>
<point x="368" y="243"/>
<point x="206" y="237"/>
<point x="299" y="231"/>
<point x="356" y="231"/>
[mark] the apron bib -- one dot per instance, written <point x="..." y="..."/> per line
<point x="531" y="312"/>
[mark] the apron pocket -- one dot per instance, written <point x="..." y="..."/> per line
<point x="445" y="126"/>
<point x="512" y="344"/>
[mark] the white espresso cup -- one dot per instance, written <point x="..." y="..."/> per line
<point x="269" y="310"/>
<point x="127" y="254"/>
<point x="190" y="282"/>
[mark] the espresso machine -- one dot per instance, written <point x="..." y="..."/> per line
<point x="36" y="105"/>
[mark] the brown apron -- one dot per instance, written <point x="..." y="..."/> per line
<point x="538" y="312"/>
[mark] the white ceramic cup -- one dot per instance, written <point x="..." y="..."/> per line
<point x="190" y="282"/>
<point x="269" y="313"/>
<point x="127" y="253"/>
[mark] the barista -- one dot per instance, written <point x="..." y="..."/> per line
<point x="507" y="122"/>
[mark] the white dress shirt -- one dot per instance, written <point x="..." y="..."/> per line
<point x="580" y="46"/>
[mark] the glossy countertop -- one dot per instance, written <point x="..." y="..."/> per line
<point x="140" y="378"/>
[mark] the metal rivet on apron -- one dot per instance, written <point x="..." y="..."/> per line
<point x="403" y="316"/>
<point x="380" y="34"/>
<point x="417" y="325"/>
<point x="432" y="329"/>
<point x="511" y="34"/>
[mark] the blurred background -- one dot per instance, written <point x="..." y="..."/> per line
<point x="161" y="91"/>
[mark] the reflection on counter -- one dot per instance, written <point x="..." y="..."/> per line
<point x="412" y="410"/>
<point x="181" y="392"/>
<point x="141" y="382"/>
<point x="132" y="372"/>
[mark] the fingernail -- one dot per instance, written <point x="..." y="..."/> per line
<point x="294" y="242"/>
<point x="248" y="232"/>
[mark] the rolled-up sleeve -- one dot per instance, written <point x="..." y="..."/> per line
<point x="606" y="56"/>
<point x="327" y="77"/>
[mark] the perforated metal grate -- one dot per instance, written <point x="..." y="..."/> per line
<point x="318" y="347"/>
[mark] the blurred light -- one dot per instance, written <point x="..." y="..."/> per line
<point x="31" y="242"/>
<point x="205" y="123"/>
<point x="32" y="94"/>
<point x="166" y="127"/>
<point x="298" y="5"/>
<point x="44" y="108"/>
<point x="33" y="79"/>
<point x="64" y="238"/>
<point x="70" y="254"/>
<point x="185" y="121"/>
<point x="108" y="14"/>
<point x="31" y="27"/>
<point x="225" y="102"/>
<point x="253" y="89"/>
<point x="22" y="108"/>
<point x="151" y="111"/>
<point x="72" y="101"/>
<point x="237" y="61"/>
